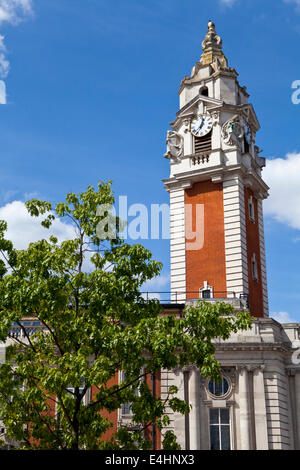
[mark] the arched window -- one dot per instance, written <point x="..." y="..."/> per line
<point x="204" y="91"/>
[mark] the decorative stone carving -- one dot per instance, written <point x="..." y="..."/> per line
<point x="187" y="123"/>
<point x="216" y="118"/>
<point x="250" y="367"/>
<point x="219" y="63"/>
<point x="174" y="146"/>
<point x="212" y="50"/>
<point x="212" y="40"/>
<point x="261" y="161"/>
<point x="233" y="131"/>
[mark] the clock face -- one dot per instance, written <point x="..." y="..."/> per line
<point x="248" y="133"/>
<point x="201" y="125"/>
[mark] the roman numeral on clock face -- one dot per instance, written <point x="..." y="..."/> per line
<point x="201" y="125"/>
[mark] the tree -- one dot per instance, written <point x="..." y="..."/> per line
<point x="95" y="323"/>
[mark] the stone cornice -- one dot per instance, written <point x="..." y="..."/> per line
<point x="250" y="367"/>
<point x="195" y="100"/>
<point x="254" y="346"/>
<point x="203" y="174"/>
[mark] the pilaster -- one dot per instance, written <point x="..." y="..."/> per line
<point x="244" y="408"/>
<point x="194" y="397"/>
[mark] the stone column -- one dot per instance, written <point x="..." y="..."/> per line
<point x="194" y="396"/>
<point x="244" y="409"/>
<point x="179" y="419"/>
<point x="260" y="410"/>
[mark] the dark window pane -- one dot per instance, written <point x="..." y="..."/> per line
<point x="126" y="408"/>
<point x="206" y="294"/>
<point x="218" y="389"/>
<point x="224" y="415"/>
<point x="214" y="438"/>
<point x="225" y="386"/>
<point x="251" y="210"/>
<point x="211" y="387"/>
<point x="214" y="416"/>
<point x="225" y="437"/>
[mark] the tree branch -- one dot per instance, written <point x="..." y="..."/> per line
<point x="90" y="405"/>
<point x="54" y="337"/>
<point x="40" y="416"/>
<point x="26" y="335"/>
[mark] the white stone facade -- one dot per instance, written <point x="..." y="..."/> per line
<point x="263" y="396"/>
<point x="235" y="235"/>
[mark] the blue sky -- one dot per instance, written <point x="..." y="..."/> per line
<point x="92" y="86"/>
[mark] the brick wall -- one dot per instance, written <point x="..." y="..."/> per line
<point x="253" y="247"/>
<point x="208" y="263"/>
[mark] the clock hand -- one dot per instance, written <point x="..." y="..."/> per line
<point x="202" y="122"/>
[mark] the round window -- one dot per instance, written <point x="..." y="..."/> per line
<point x="218" y="389"/>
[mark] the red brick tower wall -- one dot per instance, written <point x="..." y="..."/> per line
<point x="208" y="263"/>
<point x="253" y="247"/>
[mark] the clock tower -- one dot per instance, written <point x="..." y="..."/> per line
<point x="216" y="187"/>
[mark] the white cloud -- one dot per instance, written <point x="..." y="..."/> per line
<point x="11" y="12"/>
<point x="24" y="229"/>
<point x="282" y="175"/>
<point x="155" y="288"/>
<point x="282" y="317"/>
<point x="4" y="64"/>
<point x="14" y="11"/>
<point x="2" y="92"/>
<point x="158" y="283"/>
<point x="228" y="3"/>
<point x="2" y="45"/>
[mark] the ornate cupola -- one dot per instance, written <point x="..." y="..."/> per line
<point x="216" y="186"/>
<point x="212" y="48"/>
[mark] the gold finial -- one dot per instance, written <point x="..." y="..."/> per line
<point x="212" y="40"/>
<point x="212" y="47"/>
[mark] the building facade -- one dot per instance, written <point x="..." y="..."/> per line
<point x="217" y="252"/>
